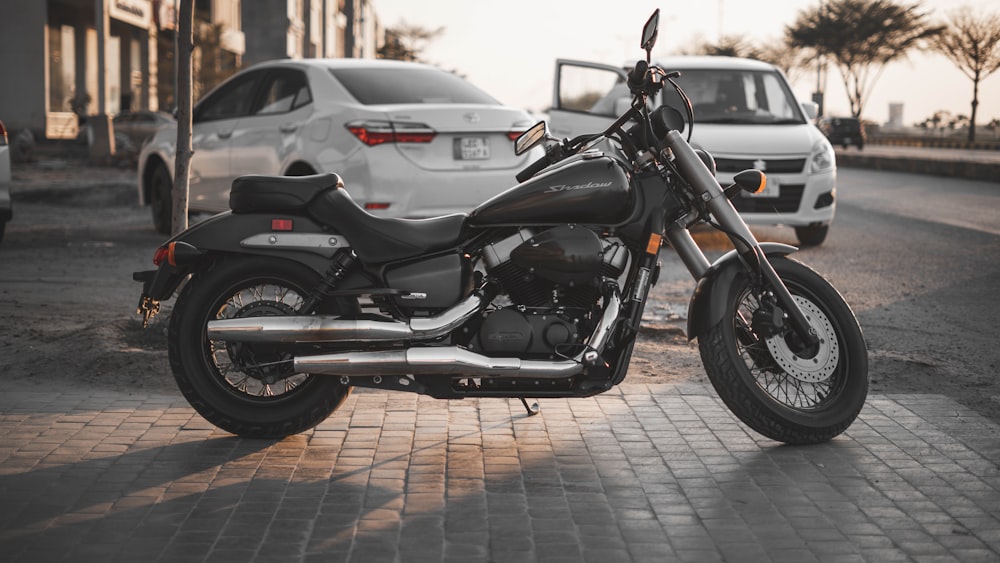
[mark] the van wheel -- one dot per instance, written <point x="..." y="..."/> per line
<point x="812" y="235"/>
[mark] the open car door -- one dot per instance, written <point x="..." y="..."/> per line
<point x="587" y="97"/>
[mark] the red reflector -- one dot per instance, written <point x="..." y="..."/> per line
<point x="513" y="135"/>
<point x="373" y="206"/>
<point x="281" y="224"/>
<point x="414" y="137"/>
<point x="160" y="255"/>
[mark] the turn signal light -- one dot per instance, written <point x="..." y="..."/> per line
<point x="752" y="181"/>
<point x="161" y="254"/>
<point x="174" y="252"/>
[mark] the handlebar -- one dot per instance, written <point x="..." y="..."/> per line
<point x="643" y="80"/>
<point x="534" y="168"/>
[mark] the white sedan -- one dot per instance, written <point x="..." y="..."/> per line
<point x="409" y="140"/>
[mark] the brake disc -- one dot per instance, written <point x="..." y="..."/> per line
<point x="819" y="367"/>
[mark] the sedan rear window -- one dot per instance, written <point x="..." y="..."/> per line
<point x="377" y="86"/>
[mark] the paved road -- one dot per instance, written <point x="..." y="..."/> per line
<point x="646" y="473"/>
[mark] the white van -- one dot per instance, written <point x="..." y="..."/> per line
<point x="745" y="116"/>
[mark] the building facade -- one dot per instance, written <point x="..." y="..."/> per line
<point x="65" y="61"/>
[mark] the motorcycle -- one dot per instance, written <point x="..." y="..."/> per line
<point x="296" y="295"/>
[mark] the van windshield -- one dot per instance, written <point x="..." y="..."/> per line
<point x="736" y="96"/>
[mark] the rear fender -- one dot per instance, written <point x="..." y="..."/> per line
<point x="290" y="237"/>
<point x="295" y="238"/>
<point x="708" y="304"/>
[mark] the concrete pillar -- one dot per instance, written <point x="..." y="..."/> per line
<point x="102" y="137"/>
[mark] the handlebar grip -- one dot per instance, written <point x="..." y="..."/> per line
<point x="637" y="76"/>
<point x="533" y="168"/>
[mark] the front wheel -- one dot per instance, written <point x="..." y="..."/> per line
<point x="766" y="379"/>
<point x="248" y="389"/>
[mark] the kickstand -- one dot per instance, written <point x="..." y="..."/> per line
<point x="532" y="408"/>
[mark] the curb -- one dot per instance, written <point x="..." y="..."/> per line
<point x="965" y="169"/>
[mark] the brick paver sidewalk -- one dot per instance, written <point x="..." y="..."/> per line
<point x="644" y="473"/>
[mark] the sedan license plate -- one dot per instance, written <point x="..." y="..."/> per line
<point x="771" y="189"/>
<point x="472" y="148"/>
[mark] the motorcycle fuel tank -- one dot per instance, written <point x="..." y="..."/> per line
<point x="586" y="189"/>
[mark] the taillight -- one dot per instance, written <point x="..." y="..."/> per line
<point x="374" y="133"/>
<point x="3" y="135"/>
<point x="160" y="255"/>
<point x="513" y="135"/>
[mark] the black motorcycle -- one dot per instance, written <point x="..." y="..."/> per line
<point x="297" y="294"/>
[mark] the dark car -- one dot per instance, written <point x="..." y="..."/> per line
<point x="843" y="131"/>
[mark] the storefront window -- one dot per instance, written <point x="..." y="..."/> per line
<point x="62" y="69"/>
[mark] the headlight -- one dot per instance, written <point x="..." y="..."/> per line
<point x="821" y="158"/>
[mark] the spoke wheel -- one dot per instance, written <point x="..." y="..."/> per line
<point x="250" y="389"/>
<point x="766" y="378"/>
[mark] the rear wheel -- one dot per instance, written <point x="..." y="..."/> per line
<point x="248" y="389"/>
<point x="160" y="201"/>
<point x="765" y="378"/>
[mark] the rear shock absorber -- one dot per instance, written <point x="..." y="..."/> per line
<point x="340" y="267"/>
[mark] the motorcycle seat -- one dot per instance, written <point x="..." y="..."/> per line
<point x="384" y="239"/>
<point x="288" y="194"/>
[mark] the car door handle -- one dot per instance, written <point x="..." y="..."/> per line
<point x="288" y="128"/>
<point x="225" y="134"/>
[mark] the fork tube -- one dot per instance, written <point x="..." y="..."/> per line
<point x="687" y="249"/>
<point x="708" y="189"/>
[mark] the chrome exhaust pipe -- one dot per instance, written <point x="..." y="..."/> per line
<point x="324" y="328"/>
<point x="448" y="360"/>
<point x="456" y="361"/>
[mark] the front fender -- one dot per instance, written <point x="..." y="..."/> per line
<point x="708" y="303"/>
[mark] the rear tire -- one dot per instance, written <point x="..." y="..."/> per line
<point x="247" y="389"/>
<point x="766" y="385"/>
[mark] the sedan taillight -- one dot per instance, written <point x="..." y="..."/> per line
<point x="374" y="133"/>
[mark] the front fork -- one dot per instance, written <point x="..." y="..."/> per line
<point x="707" y="188"/>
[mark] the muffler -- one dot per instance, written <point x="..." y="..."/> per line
<point x="324" y="328"/>
<point x="447" y="360"/>
<point x="457" y="361"/>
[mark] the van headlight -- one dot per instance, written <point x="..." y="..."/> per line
<point x="821" y="158"/>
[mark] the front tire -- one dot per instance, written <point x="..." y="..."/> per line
<point x="248" y="389"/>
<point x="760" y="377"/>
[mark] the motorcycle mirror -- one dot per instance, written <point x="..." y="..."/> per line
<point x="531" y="138"/>
<point x="649" y="32"/>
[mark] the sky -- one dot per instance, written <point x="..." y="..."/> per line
<point x="509" y="47"/>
